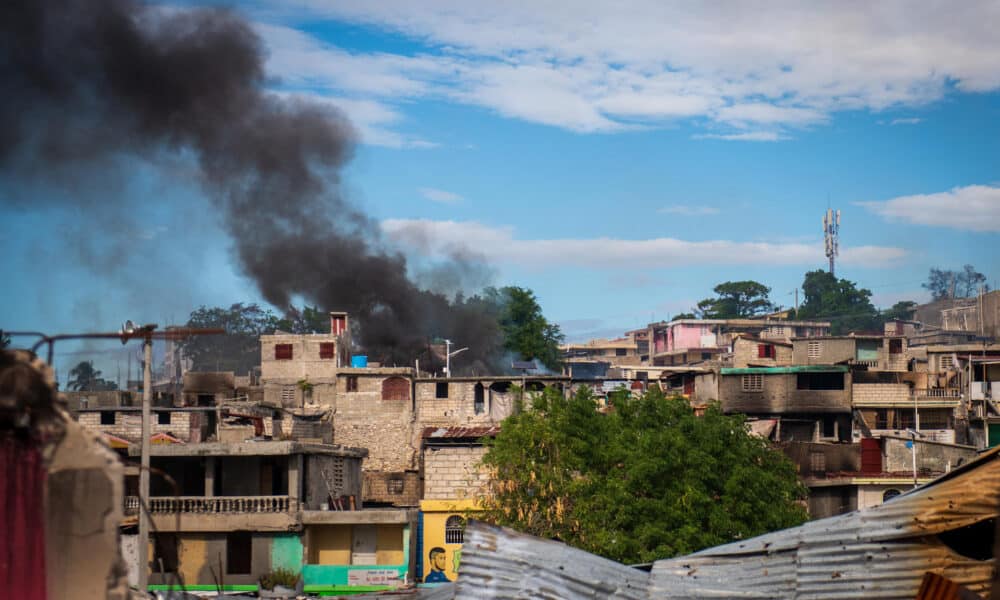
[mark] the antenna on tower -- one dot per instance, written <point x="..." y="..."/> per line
<point x="831" y="235"/>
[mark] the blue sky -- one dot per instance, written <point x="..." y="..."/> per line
<point x="619" y="159"/>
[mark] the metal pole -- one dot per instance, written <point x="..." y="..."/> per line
<point x="147" y="400"/>
<point x="913" y="453"/>
<point x="447" y="358"/>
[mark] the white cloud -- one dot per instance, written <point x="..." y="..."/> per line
<point x="970" y="208"/>
<point x="906" y="121"/>
<point x="499" y="245"/>
<point x="598" y="66"/>
<point x="440" y="196"/>
<point x="749" y="136"/>
<point x="689" y="211"/>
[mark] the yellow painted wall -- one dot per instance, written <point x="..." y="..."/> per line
<point x="435" y="514"/>
<point x="192" y="554"/>
<point x="389" y="545"/>
<point x="329" y="545"/>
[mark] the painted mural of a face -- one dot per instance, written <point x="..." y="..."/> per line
<point x="438" y="559"/>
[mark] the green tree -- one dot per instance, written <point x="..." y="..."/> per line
<point x="85" y="378"/>
<point x="847" y="307"/>
<point x="945" y="283"/>
<point x="239" y="349"/>
<point x="900" y="310"/>
<point x="526" y="332"/>
<point x="736" y="300"/>
<point x="308" y="319"/>
<point x="648" y="480"/>
<point x="684" y="315"/>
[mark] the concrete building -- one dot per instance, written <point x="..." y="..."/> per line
<point x="687" y="341"/>
<point x="845" y="477"/>
<point x="750" y="351"/>
<point x="874" y="352"/>
<point x="454" y="480"/>
<point x="616" y="352"/>
<point x="236" y="511"/>
<point x="803" y="403"/>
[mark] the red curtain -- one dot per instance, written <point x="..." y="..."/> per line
<point x="22" y="523"/>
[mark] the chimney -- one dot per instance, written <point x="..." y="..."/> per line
<point x="338" y="322"/>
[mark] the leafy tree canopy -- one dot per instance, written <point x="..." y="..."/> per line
<point x="239" y="349"/>
<point x="648" y="480"/>
<point x="85" y="378"/>
<point x="847" y="307"/>
<point x="684" y="315"/>
<point x="310" y="319"/>
<point x="900" y="310"/>
<point x="736" y="300"/>
<point x="526" y="332"/>
<point x="943" y="283"/>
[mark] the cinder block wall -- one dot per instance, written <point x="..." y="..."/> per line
<point x="879" y="393"/>
<point x="129" y="425"/>
<point x="452" y="473"/>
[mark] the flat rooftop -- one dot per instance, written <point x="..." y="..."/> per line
<point x="250" y="448"/>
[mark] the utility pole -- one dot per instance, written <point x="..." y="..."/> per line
<point x="129" y="330"/>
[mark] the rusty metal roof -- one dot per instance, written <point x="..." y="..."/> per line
<point x="433" y="433"/>
<point x="877" y="552"/>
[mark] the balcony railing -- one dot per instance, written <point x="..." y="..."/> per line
<point x="131" y="505"/>
<point x="938" y="393"/>
<point x="215" y="504"/>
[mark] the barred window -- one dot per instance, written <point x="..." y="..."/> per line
<point x="394" y="486"/>
<point x="326" y="350"/>
<point x="812" y="349"/>
<point x="753" y="383"/>
<point x="282" y="352"/>
<point x="454" y="530"/>
<point x="288" y="394"/>
<point x="946" y="361"/>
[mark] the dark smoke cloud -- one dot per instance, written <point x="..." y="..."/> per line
<point x="84" y="83"/>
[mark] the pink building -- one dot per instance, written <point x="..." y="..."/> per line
<point x="687" y="341"/>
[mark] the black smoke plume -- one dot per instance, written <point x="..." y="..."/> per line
<point x="83" y="82"/>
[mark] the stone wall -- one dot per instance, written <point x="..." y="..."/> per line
<point x="452" y="472"/>
<point x="363" y="419"/>
<point x="831" y="351"/>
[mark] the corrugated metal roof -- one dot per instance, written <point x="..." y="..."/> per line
<point x="432" y="433"/>
<point x="878" y="552"/>
<point x="500" y="563"/>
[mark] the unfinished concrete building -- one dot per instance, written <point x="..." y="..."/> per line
<point x="231" y="512"/>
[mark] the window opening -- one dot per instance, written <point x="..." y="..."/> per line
<point x="753" y="383"/>
<point x="282" y="352"/>
<point x="351" y="383"/>
<point x="441" y="389"/>
<point x="820" y="381"/>
<point x="896" y="346"/>
<point x="394" y="486"/>
<point x="454" y="530"/>
<point x="163" y="418"/>
<point x="326" y="350"/>
<point x="239" y="552"/>
<point x="812" y="349"/>
<point x="817" y="462"/>
<point x="288" y="394"/>
<point x="890" y="494"/>
<point x="107" y="417"/>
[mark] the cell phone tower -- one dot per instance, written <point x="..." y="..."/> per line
<point x="831" y="234"/>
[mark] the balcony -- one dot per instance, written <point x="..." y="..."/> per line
<point x="209" y="505"/>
